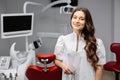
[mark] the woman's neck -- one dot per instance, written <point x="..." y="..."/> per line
<point x="78" y="33"/>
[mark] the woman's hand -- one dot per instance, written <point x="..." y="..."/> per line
<point x="64" y="67"/>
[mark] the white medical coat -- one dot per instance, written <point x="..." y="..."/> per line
<point x="65" y="50"/>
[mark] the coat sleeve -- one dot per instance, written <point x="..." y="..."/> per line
<point x="59" y="48"/>
<point x="101" y="53"/>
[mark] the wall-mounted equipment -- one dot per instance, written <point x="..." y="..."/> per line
<point x="16" y="25"/>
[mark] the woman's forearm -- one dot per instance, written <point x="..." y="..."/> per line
<point x="64" y="67"/>
<point x="58" y="63"/>
<point x="98" y="74"/>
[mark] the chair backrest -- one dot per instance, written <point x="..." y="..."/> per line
<point x="115" y="48"/>
<point x="39" y="72"/>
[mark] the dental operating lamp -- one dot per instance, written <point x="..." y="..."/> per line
<point x="63" y="9"/>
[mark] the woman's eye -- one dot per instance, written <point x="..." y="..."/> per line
<point x="82" y="19"/>
<point x="74" y="17"/>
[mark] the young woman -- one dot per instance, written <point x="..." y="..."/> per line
<point x="80" y="54"/>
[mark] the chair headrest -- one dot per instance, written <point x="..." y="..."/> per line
<point x="50" y="57"/>
<point x="115" y="47"/>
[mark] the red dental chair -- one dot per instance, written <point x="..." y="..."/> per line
<point x="114" y="65"/>
<point x="35" y="72"/>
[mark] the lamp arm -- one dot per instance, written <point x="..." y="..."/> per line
<point x="32" y="3"/>
<point x="54" y="3"/>
<point x="25" y="11"/>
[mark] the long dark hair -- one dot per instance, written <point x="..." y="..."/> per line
<point x="89" y="37"/>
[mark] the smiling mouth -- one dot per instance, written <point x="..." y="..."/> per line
<point x="76" y="25"/>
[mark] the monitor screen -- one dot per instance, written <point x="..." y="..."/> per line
<point x="16" y="25"/>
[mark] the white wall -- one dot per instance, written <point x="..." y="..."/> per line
<point x="117" y="21"/>
<point x="3" y="43"/>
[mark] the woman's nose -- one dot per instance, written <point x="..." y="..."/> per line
<point x="77" y="20"/>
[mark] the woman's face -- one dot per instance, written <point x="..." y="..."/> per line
<point x="78" y="21"/>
